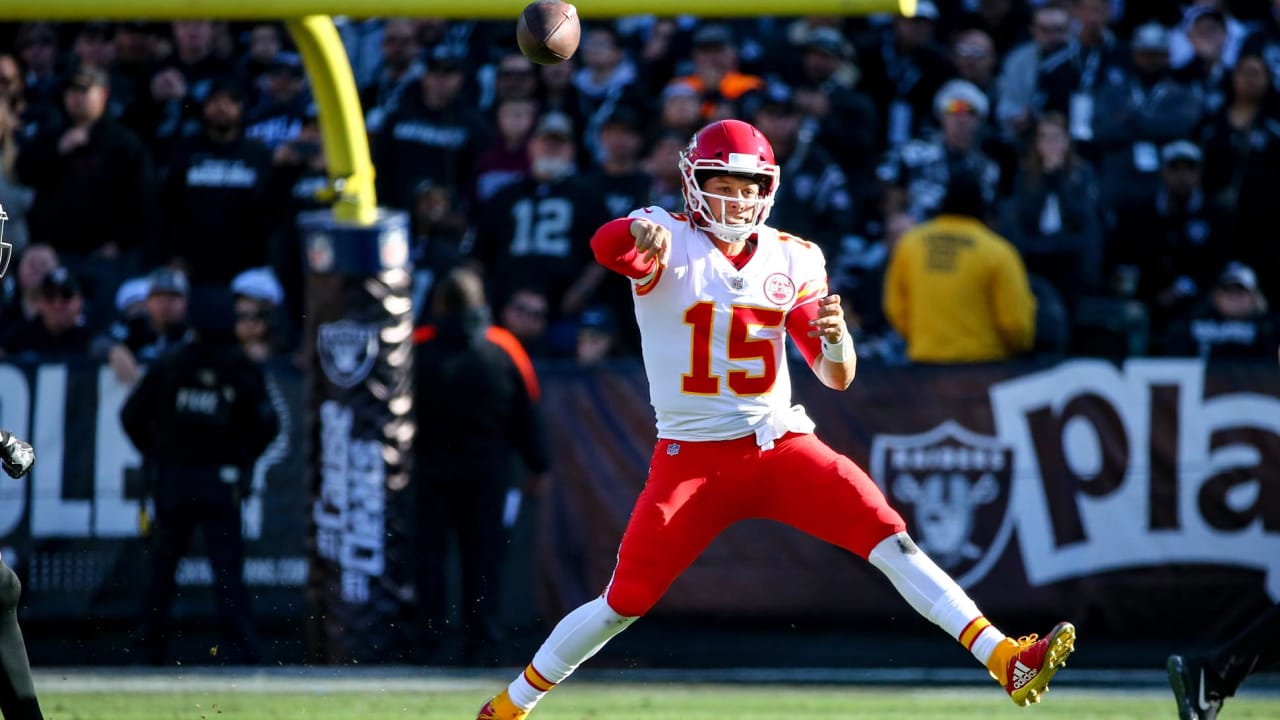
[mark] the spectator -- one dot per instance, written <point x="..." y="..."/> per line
<point x="841" y="119"/>
<point x="542" y="227"/>
<point x="597" y="336"/>
<point x="619" y="176"/>
<point x="258" y="296"/>
<point x="1004" y="21"/>
<point x="916" y="174"/>
<point x="1233" y="321"/>
<point x="557" y="93"/>
<point x="974" y="56"/>
<point x="264" y="43"/>
<point x="1097" y="55"/>
<point x="399" y="71"/>
<point x="1178" y="240"/>
<point x="1242" y="164"/>
<point x="815" y="202"/>
<point x="515" y="78"/>
<point x="506" y="160"/>
<point x="15" y="198"/>
<point x="216" y="195"/>
<point x="606" y="83"/>
<point x="37" y="46"/>
<point x="1038" y="75"/>
<point x="22" y="307"/>
<point x="300" y="182"/>
<point x="902" y="72"/>
<point x="1225" y="36"/>
<point x="1144" y="109"/>
<point x="681" y="110"/>
<point x="524" y="315"/>
<point x="128" y="344"/>
<point x="59" y="331"/>
<point x="957" y="291"/>
<point x="433" y="133"/>
<point x="136" y="52"/>
<point x="180" y="85"/>
<point x="88" y="170"/>
<point x="715" y="75"/>
<point x="663" y="167"/>
<point x="200" y="418"/>
<point x="1053" y="218"/>
<point x="442" y="240"/>
<point x="1206" y="71"/>
<point x="486" y="440"/>
<point x="1265" y="41"/>
<point x="281" y="110"/>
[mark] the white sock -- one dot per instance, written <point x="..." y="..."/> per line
<point x="934" y="594"/>
<point x="577" y="637"/>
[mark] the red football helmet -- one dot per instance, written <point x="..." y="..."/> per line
<point x="728" y="147"/>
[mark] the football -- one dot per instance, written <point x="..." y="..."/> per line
<point x="548" y="31"/>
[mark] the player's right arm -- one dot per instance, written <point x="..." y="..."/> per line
<point x="632" y="246"/>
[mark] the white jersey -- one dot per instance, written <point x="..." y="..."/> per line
<point x="714" y="336"/>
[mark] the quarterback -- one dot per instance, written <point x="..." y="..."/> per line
<point x="717" y="292"/>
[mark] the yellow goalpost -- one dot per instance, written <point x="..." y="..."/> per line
<point x="341" y="123"/>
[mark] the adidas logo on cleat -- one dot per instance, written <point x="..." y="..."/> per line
<point x="1022" y="675"/>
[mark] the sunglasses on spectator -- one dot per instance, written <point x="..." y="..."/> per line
<point x="259" y="315"/>
<point x="959" y="106"/>
<point x="530" y="310"/>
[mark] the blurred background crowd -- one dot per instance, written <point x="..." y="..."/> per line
<point x="1128" y="149"/>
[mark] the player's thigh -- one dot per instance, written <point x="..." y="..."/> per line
<point x="687" y="501"/>
<point x="825" y="494"/>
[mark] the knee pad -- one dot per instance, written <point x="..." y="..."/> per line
<point x="10" y="588"/>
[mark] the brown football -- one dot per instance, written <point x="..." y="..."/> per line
<point x="548" y="31"/>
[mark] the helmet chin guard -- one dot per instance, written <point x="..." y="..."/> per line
<point x="728" y="147"/>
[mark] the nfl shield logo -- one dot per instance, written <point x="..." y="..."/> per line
<point x="952" y="486"/>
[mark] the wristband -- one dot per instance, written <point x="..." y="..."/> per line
<point x="839" y="352"/>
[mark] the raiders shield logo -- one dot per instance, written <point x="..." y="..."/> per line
<point x="347" y="351"/>
<point x="952" y="487"/>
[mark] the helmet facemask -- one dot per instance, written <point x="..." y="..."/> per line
<point x="698" y="202"/>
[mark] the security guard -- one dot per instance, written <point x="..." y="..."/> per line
<point x="200" y="417"/>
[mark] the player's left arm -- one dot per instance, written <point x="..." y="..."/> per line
<point x="818" y="329"/>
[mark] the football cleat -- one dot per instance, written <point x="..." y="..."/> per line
<point x="500" y="707"/>
<point x="1193" y="689"/>
<point x="1024" y="667"/>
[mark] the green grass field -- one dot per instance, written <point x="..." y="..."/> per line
<point x="591" y="701"/>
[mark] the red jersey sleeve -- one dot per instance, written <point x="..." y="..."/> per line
<point x="615" y="249"/>
<point x="806" y="309"/>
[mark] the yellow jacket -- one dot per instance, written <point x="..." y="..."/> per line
<point x="958" y="292"/>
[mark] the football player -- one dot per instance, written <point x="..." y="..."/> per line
<point x="717" y="292"/>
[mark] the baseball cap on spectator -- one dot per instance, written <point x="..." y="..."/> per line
<point x="60" y="281"/>
<point x="167" y="280"/>
<point x="556" y="124"/>
<point x="676" y="88"/>
<point x="259" y="283"/>
<point x="1195" y="12"/>
<point x="598" y="319"/>
<point x="958" y="96"/>
<point x="714" y="35"/>
<point x="926" y="9"/>
<point x="1238" y="275"/>
<point x="777" y="97"/>
<point x="226" y="86"/>
<point x="445" y="58"/>
<point x="132" y="292"/>
<point x="286" y="62"/>
<point x="624" y="116"/>
<point x="830" y="41"/>
<point x="85" y="76"/>
<point x="1181" y="150"/>
<point x="1151" y="37"/>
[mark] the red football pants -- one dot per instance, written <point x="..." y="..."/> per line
<point x="697" y="489"/>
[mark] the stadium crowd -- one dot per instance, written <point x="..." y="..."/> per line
<point x="1128" y="150"/>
